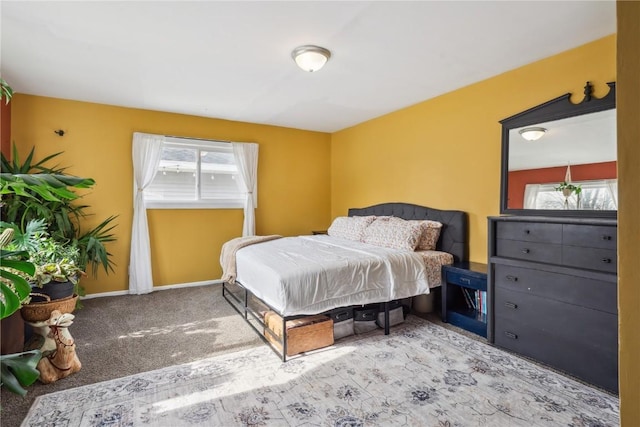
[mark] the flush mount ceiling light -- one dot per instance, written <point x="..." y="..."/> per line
<point x="532" y="134"/>
<point x="310" y="58"/>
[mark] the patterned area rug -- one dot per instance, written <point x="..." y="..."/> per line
<point x="420" y="375"/>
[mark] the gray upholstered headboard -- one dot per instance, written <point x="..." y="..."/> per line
<point x="453" y="236"/>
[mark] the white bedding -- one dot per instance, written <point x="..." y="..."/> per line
<point x="313" y="274"/>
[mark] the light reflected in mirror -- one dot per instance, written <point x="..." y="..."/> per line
<point x="579" y="151"/>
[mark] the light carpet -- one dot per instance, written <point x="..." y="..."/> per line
<point x="419" y="375"/>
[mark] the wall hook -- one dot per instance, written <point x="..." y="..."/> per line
<point x="60" y="132"/>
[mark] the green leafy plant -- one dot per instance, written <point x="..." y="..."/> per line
<point x="15" y="289"/>
<point x="570" y="188"/>
<point x="19" y="370"/>
<point x="60" y="271"/>
<point x="32" y="191"/>
<point x="16" y="370"/>
<point x="5" y="91"/>
<point x="54" y="260"/>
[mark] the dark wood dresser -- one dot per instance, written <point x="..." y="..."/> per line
<point x="552" y="285"/>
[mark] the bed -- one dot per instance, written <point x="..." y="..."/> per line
<point x="307" y="275"/>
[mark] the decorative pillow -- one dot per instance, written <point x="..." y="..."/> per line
<point x="350" y="227"/>
<point x="394" y="233"/>
<point x="430" y="235"/>
<point x="430" y="232"/>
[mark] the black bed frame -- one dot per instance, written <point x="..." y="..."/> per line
<point x="453" y="239"/>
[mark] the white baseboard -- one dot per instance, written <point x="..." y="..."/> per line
<point x="155" y="288"/>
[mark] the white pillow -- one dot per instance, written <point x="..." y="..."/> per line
<point x="394" y="233"/>
<point x="350" y="227"/>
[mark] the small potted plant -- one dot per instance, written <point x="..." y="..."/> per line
<point x="57" y="279"/>
<point x="57" y="270"/>
<point x="568" y="188"/>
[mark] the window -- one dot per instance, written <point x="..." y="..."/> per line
<point x="196" y="174"/>
<point x="595" y="195"/>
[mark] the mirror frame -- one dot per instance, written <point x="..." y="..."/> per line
<point x="556" y="109"/>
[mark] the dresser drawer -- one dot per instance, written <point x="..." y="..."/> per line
<point x="565" y="321"/>
<point x="593" y="364"/>
<point x="529" y="232"/>
<point x="590" y="236"/>
<point x="530" y="251"/>
<point x="590" y="258"/>
<point x="591" y="293"/>
<point x="467" y="281"/>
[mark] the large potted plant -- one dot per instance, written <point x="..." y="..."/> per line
<point x="24" y="201"/>
<point x="17" y="369"/>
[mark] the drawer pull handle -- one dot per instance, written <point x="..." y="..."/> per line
<point x="465" y="280"/>
<point x="526" y="251"/>
<point x="527" y="231"/>
<point x="511" y="335"/>
<point x="511" y="305"/>
<point x="606" y="260"/>
<point x="512" y="278"/>
<point x="605" y="237"/>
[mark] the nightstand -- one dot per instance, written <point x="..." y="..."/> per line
<point x="464" y="296"/>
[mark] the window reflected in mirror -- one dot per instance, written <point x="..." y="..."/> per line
<point x="595" y="195"/>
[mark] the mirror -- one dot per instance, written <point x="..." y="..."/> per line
<point x="560" y="158"/>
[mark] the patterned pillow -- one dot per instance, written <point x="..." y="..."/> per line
<point x="350" y="227"/>
<point x="430" y="235"/>
<point x="430" y="232"/>
<point x="394" y="233"/>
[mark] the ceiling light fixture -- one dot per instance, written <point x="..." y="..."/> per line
<point x="310" y="58"/>
<point x="532" y="134"/>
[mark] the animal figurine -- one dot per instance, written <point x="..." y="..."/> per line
<point x="41" y="339"/>
<point x="63" y="361"/>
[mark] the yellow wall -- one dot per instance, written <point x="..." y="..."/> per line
<point x="628" y="100"/>
<point x="445" y="152"/>
<point x="293" y="181"/>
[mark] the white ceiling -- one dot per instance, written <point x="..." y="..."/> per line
<point x="232" y="60"/>
<point x="588" y="138"/>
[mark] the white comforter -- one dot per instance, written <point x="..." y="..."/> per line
<point x="313" y="274"/>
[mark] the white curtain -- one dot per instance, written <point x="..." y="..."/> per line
<point x="246" y="157"/>
<point x="147" y="150"/>
<point x="612" y="186"/>
<point x="531" y="195"/>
